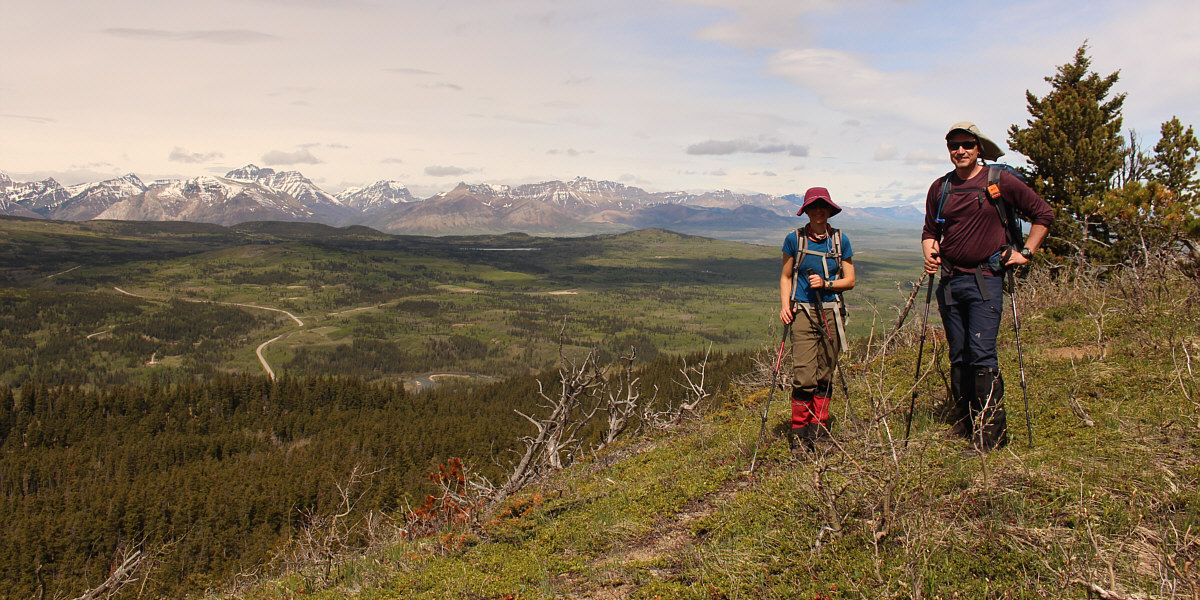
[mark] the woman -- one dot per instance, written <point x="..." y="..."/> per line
<point x="817" y="267"/>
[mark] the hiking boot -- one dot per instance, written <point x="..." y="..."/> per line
<point x="821" y="433"/>
<point x="989" y="410"/>
<point x="800" y="439"/>
<point x="962" y="391"/>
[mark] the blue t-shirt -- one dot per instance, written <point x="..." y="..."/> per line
<point x="803" y="292"/>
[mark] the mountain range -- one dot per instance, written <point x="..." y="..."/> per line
<point x="252" y="193"/>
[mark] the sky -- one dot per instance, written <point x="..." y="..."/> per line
<point x="754" y="96"/>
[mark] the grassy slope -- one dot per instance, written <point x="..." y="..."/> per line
<point x="1106" y="498"/>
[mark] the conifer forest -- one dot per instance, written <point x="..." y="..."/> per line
<point x="135" y="413"/>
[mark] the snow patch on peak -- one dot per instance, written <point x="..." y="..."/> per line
<point x="380" y="194"/>
<point x="489" y="189"/>
<point x="250" y="172"/>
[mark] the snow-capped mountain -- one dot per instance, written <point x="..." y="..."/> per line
<point x="325" y="207"/>
<point x="38" y="198"/>
<point x="378" y="195"/>
<point x="578" y="205"/>
<point x="89" y="200"/>
<point x="208" y="199"/>
<point x="581" y="205"/>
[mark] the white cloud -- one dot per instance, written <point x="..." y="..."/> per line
<point x="180" y="155"/>
<point x="280" y="158"/>
<point x="216" y="36"/>
<point x="446" y="171"/>
<point x="28" y="118"/>
<point x="723" y="147"/>
<point x="751" y="23"/>
<point x="923" y="157"/>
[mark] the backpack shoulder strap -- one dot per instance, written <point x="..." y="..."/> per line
<point x="801" y="246"/>
<point x="1008" y="218"/>
<point x="835" y="238"/>
<point x="937" y="219"/>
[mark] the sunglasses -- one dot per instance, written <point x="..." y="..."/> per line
<point x="963" y="145"/>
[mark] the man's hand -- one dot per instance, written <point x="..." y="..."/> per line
<point x="933" y="262"/>
<point x="933" y="259"/>
<point x="1016" y="259"/>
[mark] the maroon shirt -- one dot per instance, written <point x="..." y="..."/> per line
<point x="973" y="230"/>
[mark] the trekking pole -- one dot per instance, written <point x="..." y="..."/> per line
<point x="774" y="380"/>
<point x="912" y="403"/>
<point x="826" y="336"/>
<point x="1012" y="296"/>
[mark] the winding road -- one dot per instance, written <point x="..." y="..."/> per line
<point x="259" y="351"/>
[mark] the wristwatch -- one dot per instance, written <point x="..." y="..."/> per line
<point x="1027" y="253"/>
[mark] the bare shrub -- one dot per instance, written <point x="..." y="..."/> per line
<point x="326" y="542"/>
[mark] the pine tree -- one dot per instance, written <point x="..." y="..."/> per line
<point x="1074" y="146"/>
<point x="1175" y="160"/>
<point x="1155" y="214"/>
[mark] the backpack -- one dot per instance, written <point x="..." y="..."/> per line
<point x="835" y="239"/>
<point x="840" y="314"/>
<point x="1010" y="219"/>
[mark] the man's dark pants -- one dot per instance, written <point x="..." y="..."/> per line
<point x="972" y="324"/>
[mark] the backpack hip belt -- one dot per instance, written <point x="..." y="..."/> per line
<point x="838" y="306"/>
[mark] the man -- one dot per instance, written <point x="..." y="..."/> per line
<point x="964" y="233"/>
<point x="818" y="265"/>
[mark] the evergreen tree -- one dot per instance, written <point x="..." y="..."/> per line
<point x="1175" y="159"/>
<point x="1156" y="214"/>
<point x="1074" y="145"/>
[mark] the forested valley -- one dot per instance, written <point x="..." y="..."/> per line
<point x="217" y="475"/>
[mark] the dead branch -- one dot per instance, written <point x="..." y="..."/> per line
<point x="890" y="338"/>
<point x="128" y="567"/>
<point x="556" y="430"/>
<point x="621" y="401"/>
<point x="693" y="395"/>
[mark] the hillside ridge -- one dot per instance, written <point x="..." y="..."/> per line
<point x="1104" y="503"/>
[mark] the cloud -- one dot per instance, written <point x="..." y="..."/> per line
<point x="72" y="175"/>
<point x="758" y="24"/>
<point x="848" y="83"/>
<point x="29" y="118"/>
<point x="724" y="147"/>
<point x="570" y="152"/>
<point x="409" y="71"/>
<point x="212" y="36"/>
<point x="392" y="161"/>
<point x="922" y="157"/>
<point x="886" y="151"/>
<point x="713" y="147"/>
<point x="180" y="155"/>
<point x="441" y="171"/>
<point x="281" y="158"/>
